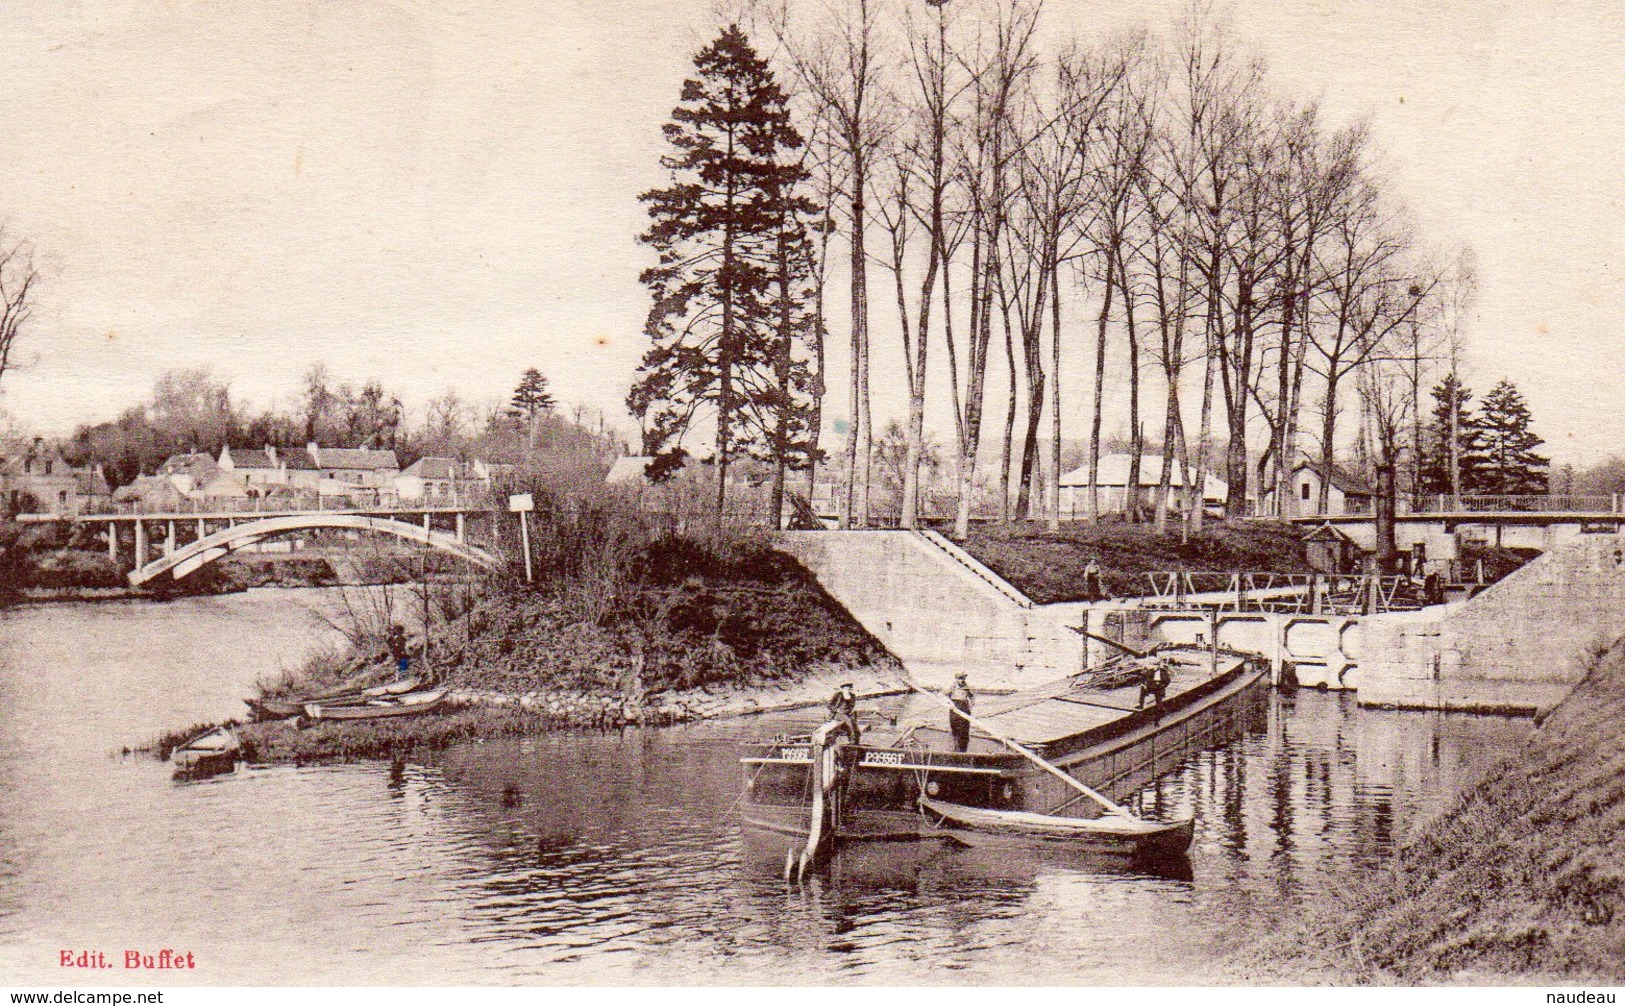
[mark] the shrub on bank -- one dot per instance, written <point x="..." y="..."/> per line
<point x="685" y="615"/>
<point x="55" y="570"/>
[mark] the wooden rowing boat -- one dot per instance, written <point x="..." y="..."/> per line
<point x="384" y="707"/>
<point x="206" y="754"/>
<point x="1111" y="833"/>
<point x="281" y="709"/>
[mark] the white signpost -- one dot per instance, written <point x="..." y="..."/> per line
<point x="522" y="504"/>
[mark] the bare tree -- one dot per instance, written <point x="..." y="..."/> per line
<point x="1000" y="59"/>
<point x="841" y="65"/>
<point x="1368" y="294"/>
<point x="17" y="279"/>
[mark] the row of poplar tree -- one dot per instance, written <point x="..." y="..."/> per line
<point x="1221" y="244"/>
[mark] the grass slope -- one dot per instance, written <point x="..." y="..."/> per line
<point x="1049" y="567"/>
<point x="1524" y="878"/>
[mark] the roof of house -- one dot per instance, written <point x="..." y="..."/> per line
<point x="17" y="464"/>
<point x="147" y="487"/>
<point x="1114" y="469"/>
<point x="355" y="458"/>
<point x="296" y="459"/>
<point x="199" y="466"/>
<point x="630" y="469"/>
<point x="1326" y="532"/>
<point x="1345" y="481"/>
<point x="91" y="482"/>
<point x="250" y="458"/>
<point x="442" y="468"/>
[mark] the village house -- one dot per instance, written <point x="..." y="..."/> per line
<point x="446" y="481"/>
<point x="1346" y="493"/>
<point x="1115" y="498"/>
<point x="360" y="467"/>
<point x="253" y="467"/>
<point x="37" y="479"/>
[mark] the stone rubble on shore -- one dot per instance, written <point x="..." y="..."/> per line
<point x="704" y="703"/>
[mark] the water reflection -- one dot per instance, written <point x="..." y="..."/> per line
<point x="618" y="856"/>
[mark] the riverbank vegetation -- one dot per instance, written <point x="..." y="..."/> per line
<point x="629" y="611"/>
<point x="1523" y="877"/>
<point x="1051" y="566"/>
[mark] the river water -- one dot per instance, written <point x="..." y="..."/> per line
<point x="611" y="857"/>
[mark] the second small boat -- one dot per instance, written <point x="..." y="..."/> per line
<point x="409" y="704"/>
<point x="281" y="709"/>
<point x="208" y="753"/>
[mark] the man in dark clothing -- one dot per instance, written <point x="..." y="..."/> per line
<point x="962" y="698"/>
<point x="397" y="651"/>
<point x="843" y="706"/>
<point x="1154" y="683"/>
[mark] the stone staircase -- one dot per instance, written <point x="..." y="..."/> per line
<point x="938" y="609"/>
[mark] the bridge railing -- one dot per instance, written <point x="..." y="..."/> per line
<point x="284" y="502"/>
<point x="1445" y="503"/>
<point x="1321" y="593"/>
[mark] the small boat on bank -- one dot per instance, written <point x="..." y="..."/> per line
<point x="1045" y="765"/>
<point x="281" y="709"/>
<point x="381" y="707"/>
<point x="208" y="753"/>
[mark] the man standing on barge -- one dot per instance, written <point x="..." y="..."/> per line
<point x="843" y="707"/>
<point x="962" y="698"/>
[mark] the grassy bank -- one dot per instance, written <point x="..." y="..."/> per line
<point x="1524" y="879"/>
<point x="1049" y="566"/>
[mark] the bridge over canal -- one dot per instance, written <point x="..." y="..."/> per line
<point x="1438" y="523"/>
<point x="179" y="543"/>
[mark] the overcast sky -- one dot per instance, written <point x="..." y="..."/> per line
<point x="437" y="197"/>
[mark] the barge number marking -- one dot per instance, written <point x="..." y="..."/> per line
<point x="883" y="758"/>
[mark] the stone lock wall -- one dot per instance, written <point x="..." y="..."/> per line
<point x="1520" y="645"/>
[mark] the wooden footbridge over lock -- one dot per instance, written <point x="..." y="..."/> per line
<point x="180" y="543"/>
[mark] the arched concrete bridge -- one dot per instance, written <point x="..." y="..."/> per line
<point x="207" y="549"/>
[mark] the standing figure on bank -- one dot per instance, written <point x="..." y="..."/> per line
<point x="843" y="707"/>
<point x="396" y="640"/>
<point x="962" y="698"/>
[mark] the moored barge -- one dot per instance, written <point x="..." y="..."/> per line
<point x="905" y="782"/>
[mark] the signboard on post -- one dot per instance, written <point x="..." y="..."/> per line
<point x="522" y="504"/>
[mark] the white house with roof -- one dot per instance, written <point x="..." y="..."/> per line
<point x="1346" y="492"/>
<point x="361" y="467"/>
<point x="1112" y="479"/>
<point x="37" y="479"/>
<point x="446" y="481"/>
<point x="253" y="467"/>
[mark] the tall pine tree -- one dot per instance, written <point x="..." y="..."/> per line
<point x="1511" y="466"/>
<point x="785" y="407"/>
<point x="726" y="307"/>
<point x="531" y="396"/>
<point x="1452" y="410"/>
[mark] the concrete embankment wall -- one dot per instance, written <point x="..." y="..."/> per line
<point x="1516" y="646"/>
<point x="938" y="610"/>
